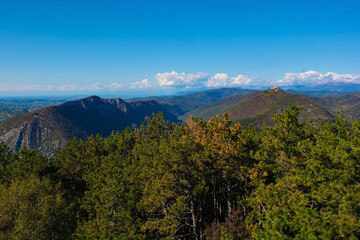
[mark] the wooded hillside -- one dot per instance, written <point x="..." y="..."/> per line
<point x="192" y="180"/>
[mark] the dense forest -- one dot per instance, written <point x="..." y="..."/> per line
<point x="193" y="180"/>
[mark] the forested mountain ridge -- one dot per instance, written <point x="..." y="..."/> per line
<point x="256" y="108"/>
<point x="49" y="128"/>
<point x="182" y="104"/>
<point x="210" y="110"/>
<point x="52" y="127"/>
<point x="195" y="180"/>
<point x="178" y="104"/>
<point x="349" y="104"/>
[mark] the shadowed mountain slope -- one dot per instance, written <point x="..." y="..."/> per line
<point x="49" y="128"/>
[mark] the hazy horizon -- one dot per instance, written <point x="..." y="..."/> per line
<point x="140" y="48"/>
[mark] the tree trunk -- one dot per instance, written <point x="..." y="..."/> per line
<point x="228" y="191"/>
<point x="193" y="214"/>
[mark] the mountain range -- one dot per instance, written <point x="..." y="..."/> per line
<point x="182" y="104"/>
<point x="349" y="104"/>
<point x="329" y="88"/>
<point x="52" y="127"/>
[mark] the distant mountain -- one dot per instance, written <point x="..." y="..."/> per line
<point x="180" y="105"/>
<point x="319" y="93"/>
<point x="340" y="87"/>
<point x="209" y="110"/>
<point x="258" y="107"/>
<point x="349" y="104"/>
<point x="49" y="128"/>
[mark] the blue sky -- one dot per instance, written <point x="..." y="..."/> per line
<point x="70" y="47"/>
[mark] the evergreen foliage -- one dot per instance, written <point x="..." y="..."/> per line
<point x="194" y="180"/>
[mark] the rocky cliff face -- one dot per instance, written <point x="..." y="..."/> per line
<point x="52" y="127"/>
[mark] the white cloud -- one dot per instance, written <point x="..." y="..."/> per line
<point x="115" y="85"/>
<point x="145" y="83"/>
<point x="218" y="80"/>
<point x="223" y="80"/>
<point x="95" y="86"/>
<point x="313" y="77"/>
<point x="162" y="80"/>
<point x="347" y="77"/>
<point x="174" y="79"/>
<point x="242" y="80"/>
<point x="192" y="81"/>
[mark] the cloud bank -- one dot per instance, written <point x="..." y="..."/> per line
<point x="193" y="80"/>
<point x="200" y="80"/>
<point x="313" y="78"/>
<point x="181" y="80"/>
